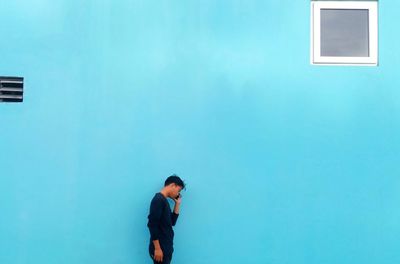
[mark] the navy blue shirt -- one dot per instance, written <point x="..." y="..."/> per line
<point x="160" y="223"/>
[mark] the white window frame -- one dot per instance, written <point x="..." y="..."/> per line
<point x="317" y="59"/>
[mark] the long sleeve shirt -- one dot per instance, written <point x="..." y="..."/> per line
<point x="160" y="222"/>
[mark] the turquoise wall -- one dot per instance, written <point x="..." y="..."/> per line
<point x="285" y="162"/>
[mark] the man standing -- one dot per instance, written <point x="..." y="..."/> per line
<point x="161" y="220"/>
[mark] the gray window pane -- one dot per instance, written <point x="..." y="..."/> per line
<point x="344" y="32"/>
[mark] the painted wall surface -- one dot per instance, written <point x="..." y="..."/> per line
<point x="284" y="162"/>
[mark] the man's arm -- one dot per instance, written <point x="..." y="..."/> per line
<point x="158" y="253"/>
<point x="153" y="225"/>
<point x="175" y="213"/>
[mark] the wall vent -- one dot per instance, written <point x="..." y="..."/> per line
<point x="11" y="89"/>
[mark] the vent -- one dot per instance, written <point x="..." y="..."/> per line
<point x="11" y="89"/>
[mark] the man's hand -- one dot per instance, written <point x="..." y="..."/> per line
<point x="158" y="255"/>
<point x="178" y="201"/>
<point x="177" y="204"/>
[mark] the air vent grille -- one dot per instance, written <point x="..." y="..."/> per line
<point x="11" y="89"/>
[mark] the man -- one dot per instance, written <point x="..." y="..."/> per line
<point x="161" y="220"/>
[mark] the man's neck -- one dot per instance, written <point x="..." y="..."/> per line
<point x="164" y="192"/>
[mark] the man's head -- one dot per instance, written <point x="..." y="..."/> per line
<point x="173" y="185"/>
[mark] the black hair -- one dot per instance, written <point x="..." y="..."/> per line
<point x="175" y="179"/>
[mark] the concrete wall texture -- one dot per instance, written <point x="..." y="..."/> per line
<point x="285" y="163"/>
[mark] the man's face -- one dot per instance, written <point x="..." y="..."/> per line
<point x="175" y="190"/>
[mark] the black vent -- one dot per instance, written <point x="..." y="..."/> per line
<point x="11" y="89"/>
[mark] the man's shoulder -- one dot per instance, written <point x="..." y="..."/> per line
<point x="158" y="197"/>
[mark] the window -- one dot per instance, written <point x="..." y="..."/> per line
<point x="11" y="89"/>
<point x="344" y="33"/>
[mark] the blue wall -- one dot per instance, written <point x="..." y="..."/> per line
<point x="285" y="162"/>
